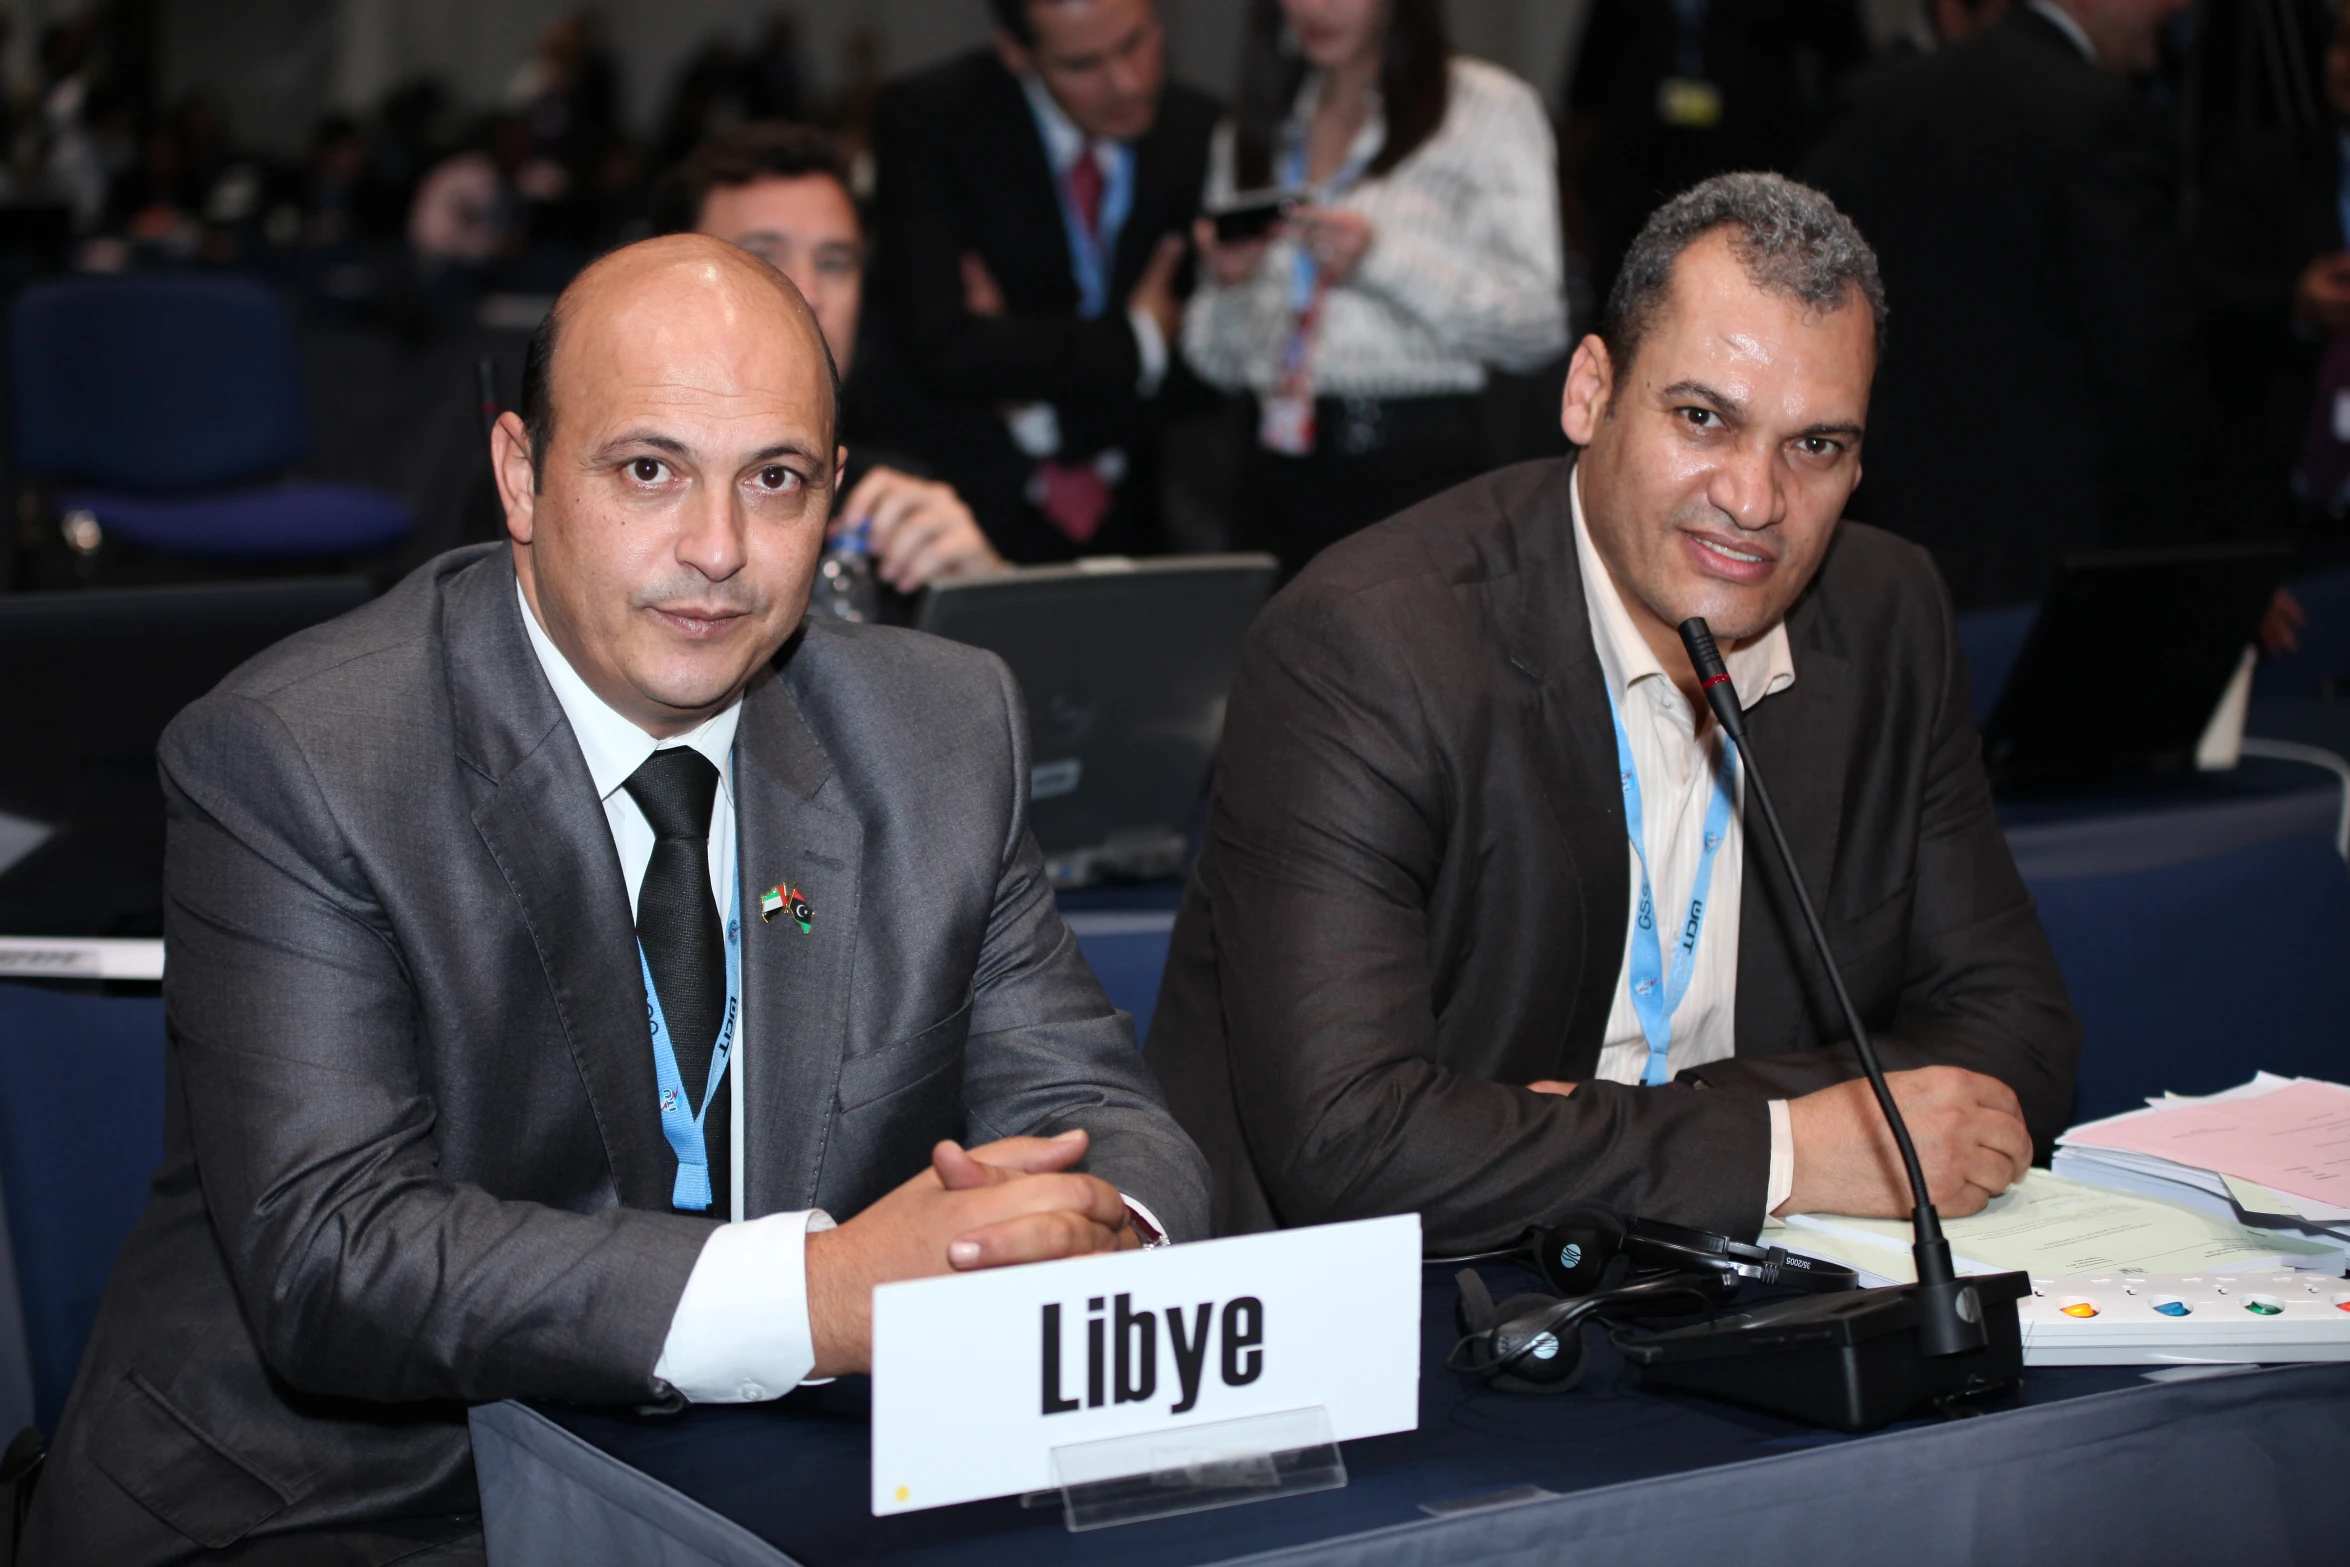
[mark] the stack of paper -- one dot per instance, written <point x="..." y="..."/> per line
<point x="2049" y="1226"/>
<point x="2273" y="1153"/>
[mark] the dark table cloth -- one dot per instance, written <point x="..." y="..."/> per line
<point x="2087" y="1464"/>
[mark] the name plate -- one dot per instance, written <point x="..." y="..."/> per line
<point x="70" y="957"/>
<point x="979" y="1377"/>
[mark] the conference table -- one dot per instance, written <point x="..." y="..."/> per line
<point x="2082" y="1465"/>
<point x="1611" y="1453"/>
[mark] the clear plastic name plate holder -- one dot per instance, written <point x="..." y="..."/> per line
<point x="1191" y="1469"/>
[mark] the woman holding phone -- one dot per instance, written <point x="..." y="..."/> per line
<point x="1419" y="246"/>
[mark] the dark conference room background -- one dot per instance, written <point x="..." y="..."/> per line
<point x="268" y="268"/>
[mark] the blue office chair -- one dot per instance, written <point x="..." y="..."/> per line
<point x="81" y="1131"/>
<point x="2191" y="976"/>
<point x="169" y="409"/>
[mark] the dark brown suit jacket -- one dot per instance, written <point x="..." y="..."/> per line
<point x="1413" y="895"/>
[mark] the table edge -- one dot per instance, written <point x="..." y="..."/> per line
<point x="624" y="1485"/>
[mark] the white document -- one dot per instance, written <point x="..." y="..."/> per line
<point x="2191" y="1184"/>
<point x="2053" y="1227"/>
<point x="2222" y="744"/>
<point x="978" y="1377"/>
<point x="81" y="957"/>
<point x="2293" y="1138"/>
<point x="2255" y="1198"/>
<point x="2198" y="1198"/>
<point x="20" y="836"/>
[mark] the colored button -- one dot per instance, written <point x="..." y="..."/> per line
<point x="2173" y="1308"/>
<point x="2079" y="1308"/>
<point x="2262" y="1308"/>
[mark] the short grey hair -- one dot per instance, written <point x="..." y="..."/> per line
<point x="1790" y="239"/>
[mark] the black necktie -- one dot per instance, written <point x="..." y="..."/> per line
<point x="677" y="924"/>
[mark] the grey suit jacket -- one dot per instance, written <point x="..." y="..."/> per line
<point x="1412" y="900"/>
<point x="413" y="1158"/>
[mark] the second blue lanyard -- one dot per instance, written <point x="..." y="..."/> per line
<point x="1656" y="996"/>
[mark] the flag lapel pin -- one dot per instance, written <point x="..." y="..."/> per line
<point x="786" y="900"/>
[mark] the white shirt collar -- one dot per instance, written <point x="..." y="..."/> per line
<point x="1063" y="141"/>
<point x="613" y="746"/>
<point x="2063" y="21"/>
<point x="1762" y="668"/>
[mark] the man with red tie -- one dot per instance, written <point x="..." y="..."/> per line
<point x="1032" y="203"/>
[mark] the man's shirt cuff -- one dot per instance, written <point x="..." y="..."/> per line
<point x="1782" y="1181"/>
<point x="1151" y="344"/>
<point x="1154" y="1234"/>
<point x="740" y="1333"/>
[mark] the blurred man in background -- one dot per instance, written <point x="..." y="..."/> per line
<point x="2020" y="196"/>
<point x="782" y="193"/>
<point x="1955" y="21"/>
<point x="1032" y="203"/>
<point x="1940" y="24"/>
<point x="2269" y="101"/>
<point x="1668" y="92"/>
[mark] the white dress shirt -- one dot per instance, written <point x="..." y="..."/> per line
<point x="1677" y="766"/>
<point x="740" y="1332"/>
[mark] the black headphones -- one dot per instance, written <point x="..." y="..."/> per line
<point x="1573" y="1257"/>
<point x="1534" y="1343"/>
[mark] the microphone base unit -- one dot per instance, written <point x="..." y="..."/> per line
<point x="1851" y="1361"/>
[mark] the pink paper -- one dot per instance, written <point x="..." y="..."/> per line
<point x="2296" y="1139"/>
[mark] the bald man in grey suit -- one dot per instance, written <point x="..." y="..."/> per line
<point x="423" y="1149"/>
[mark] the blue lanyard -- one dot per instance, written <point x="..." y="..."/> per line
<point x="1091" y="254"/>
<point x="681" y="1125"/>
<point x="1654" y="997"/>
<point x="1304" y="274"/>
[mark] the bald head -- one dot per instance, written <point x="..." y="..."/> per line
<point x="681" y="270"/>
<point x="667" y="488"/>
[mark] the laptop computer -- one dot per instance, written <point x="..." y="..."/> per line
<point x="87" y="682"/>
<point x="2129" y="657"/>
<point x="1125" y="665"/>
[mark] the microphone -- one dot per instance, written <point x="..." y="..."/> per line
<point x="1859" y="1359"/>
<point x="1951" y="1316"/>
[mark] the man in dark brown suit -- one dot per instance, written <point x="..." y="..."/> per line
<point x="1418" y="966"/>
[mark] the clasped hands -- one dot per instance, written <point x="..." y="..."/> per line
<point x="1011" y="1201"/>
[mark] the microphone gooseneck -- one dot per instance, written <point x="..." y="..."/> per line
<point x="1950" y="1316"/>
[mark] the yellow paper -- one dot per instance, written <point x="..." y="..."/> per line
<point x="2053" y="1227"/>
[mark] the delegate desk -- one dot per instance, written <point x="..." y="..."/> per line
<point x="2090" y="1464"/>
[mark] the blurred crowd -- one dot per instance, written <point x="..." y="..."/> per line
<point x="2113" y="235"/>
<point x="523" y="191"/>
